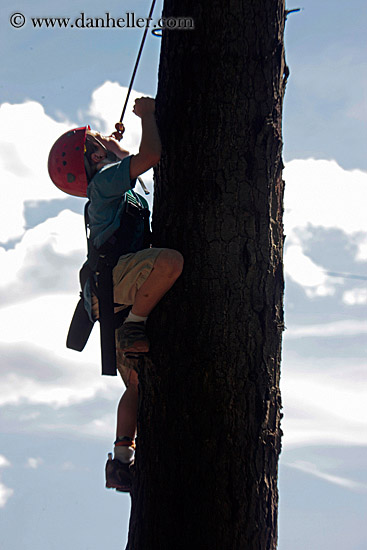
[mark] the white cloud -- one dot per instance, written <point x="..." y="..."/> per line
<point x="104" y="109"/>
<point x="47" y="259"/>
<point x="40" y="323"/>
<point x="319" y="193"/>
<point x="357" y="296"/>
<point x="326" y="330"/>
<point x="23" y="162"/>
<point x="301" y="269"/>
<point x="5" y="494"/>
<point x="362" y="249"/>
<point x="102" y="427"/>
<point x="310" y="468"/>
<point x="4" y="462"/>
<point x="54" y="381"/>
<point x="38" y="368"/>
<point x="34" y="463"/>
<point x="324" y="400"/>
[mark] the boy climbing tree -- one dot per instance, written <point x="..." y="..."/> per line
<point x="84" y="163"/>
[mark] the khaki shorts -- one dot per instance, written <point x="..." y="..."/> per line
<point x="131" y="272"/>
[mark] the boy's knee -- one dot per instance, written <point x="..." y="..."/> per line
<point x="178" y="261"/>
<point x="171" y="261"/>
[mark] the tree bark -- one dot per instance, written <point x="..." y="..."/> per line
<point x="209" y="415"/>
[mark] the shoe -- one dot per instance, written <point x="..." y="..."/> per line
<point x="118" y="475"/>
<point x="131" y="338"/>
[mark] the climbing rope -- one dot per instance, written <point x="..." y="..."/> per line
<point x="119" y="125"/>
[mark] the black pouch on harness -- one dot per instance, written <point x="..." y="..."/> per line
<point x="81" y="326"/>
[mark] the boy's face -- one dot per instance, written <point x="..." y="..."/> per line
<point x="100" y="156"/>
<point x="104" y="152"/>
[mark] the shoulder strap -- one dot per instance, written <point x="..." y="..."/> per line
<point x="106" y="320"/>
<point x="99" y="264"/>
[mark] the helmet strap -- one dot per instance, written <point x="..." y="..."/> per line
<point x="88" y="169"/>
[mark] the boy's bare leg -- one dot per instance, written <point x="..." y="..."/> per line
<point x="127" y="409"/>
<point x="118" y="474"/>
<point x="166" y="270"/>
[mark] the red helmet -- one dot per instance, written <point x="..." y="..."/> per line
<point x="66" y="162"/>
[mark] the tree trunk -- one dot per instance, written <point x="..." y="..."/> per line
<point x="209" y="415"/>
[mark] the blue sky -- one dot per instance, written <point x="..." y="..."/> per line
<point x="57" y="412"/>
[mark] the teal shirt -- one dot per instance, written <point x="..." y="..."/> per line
<point x="106" y="193"/>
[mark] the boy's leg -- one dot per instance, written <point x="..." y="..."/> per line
<point x="118" y="475"/>
<point x="127" y="409"/>
<point x="166" y="270"/>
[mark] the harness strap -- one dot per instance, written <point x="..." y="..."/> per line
<point x="106" y="320"/>
<point x="103" y="268"/>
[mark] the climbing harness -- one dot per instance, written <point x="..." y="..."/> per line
<point x="132" y="235"/>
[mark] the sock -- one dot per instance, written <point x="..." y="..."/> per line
<point x="124" y="450"/>
<point x="132" y="318"/>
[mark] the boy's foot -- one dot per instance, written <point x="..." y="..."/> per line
<point x="131" y="338"/>
<point x="118" y="475"/>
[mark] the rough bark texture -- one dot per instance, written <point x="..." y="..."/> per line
<point x="209" y="416"/>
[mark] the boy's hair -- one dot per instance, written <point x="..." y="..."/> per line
<point x="90" y="147"/>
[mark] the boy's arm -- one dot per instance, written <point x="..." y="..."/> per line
<point x="112" y="145"/>
<point x="150" y="145"/>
